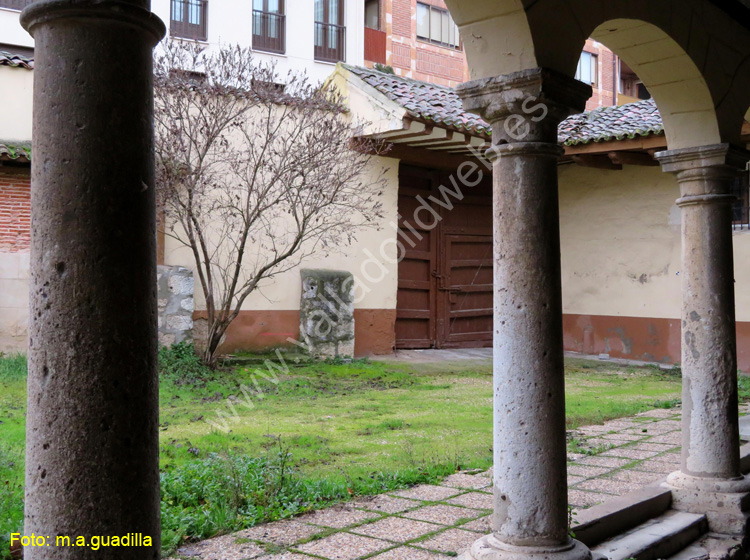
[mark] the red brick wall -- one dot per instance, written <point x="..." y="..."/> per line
<point x="439" y="65"/>
<point x="419" y="59"/>
<point x="15" y="212"/>
<point x="402" y="17"/>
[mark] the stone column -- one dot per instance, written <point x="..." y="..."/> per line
<point x="530" y="479"/>
<point x="710" y="434"/>
<point x="92" y="421"/>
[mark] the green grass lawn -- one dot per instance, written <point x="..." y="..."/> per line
<point x="319" y="432"/>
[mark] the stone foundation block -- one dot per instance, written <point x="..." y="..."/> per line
<point x="327" y="312"/>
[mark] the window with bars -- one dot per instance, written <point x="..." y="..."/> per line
<point x="741" y="204"/>
<point x="189" y="19"/>
<point x="269" y="26"/>
<point x="330" y="31"/>
<point x="15" y="4"/>
<point x="437" y="26"/>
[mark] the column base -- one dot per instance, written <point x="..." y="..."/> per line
<point x="492" y="548"/>
<point x="725" y="502"/>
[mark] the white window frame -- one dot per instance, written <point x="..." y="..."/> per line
<point x="439" y="22"/>
<point x="588" y="61"/>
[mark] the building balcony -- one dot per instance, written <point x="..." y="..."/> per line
<point x="375" y="45"/>
<point x="330" y="42"/>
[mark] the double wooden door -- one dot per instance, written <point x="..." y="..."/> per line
<point x="445" y="276"/>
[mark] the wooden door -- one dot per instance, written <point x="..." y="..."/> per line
<point x="417" y="270"/>
<point x="466" y="310"/>
<point x="445" y="288"/>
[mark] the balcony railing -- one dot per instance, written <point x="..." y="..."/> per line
<point x="375" y="45"/>
<point x="15" y="4"/>
<point x="189" y="19"/>
<point x="269" y="31"/>
<point x="330" y="42"/>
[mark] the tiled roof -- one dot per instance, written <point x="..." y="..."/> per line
<point x="16" y="60"/>
<point x="441" y="105"/>
<point x="17" y="152"/>
<point x="604" y="124"/>
<point x="428" y="102"/>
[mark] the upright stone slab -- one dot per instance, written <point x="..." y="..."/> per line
<point x="175" y="287"/>
<point x="92" y="440"/>
<point x="327" y="312"/>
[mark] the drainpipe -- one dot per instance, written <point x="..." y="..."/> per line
<point x="615" y="78"/>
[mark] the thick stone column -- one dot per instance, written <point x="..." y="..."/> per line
<point x="710" y="434"/>
<point x="92" y="422"/>
<point x="530" y="478"/>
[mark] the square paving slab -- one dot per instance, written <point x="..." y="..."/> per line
<point x="283" y="533"/>
<point x="344" y="546"/>
<point x="396" y="529"/>
<point x="338" y="517"/>
<point x="386" y="504"/>
<point x="442" y="514"/>
<point x="408" y="553"/>
<point x="476" y="500"/>
<point x="428" y="493"/>
<point x="452" y="541"/>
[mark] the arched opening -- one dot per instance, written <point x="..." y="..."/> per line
<point x="671" y="76"/>
<point x="501" y="37"/>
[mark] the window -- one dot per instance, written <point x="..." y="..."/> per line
<point x="15" y="4"/>
<point x="372" y="14"/>
<point x="269" y="26"/>
<point x="588" y="68"/>
<point x="330" y="32"/>
<point x="437" y="26"/>
<point x="188" y="19"/>
<point x="741" y="205"/>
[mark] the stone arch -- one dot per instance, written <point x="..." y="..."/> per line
<point x="733" y="109"/>
<point x="673" y="79"/>
<point x="505" y="36"/>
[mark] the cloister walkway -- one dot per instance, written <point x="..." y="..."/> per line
<point x="435" y="522"/>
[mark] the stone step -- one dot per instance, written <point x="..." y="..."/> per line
<point x="692" y="552"/>
<point x="623" y="513"/>
<point x="660" y="537"/>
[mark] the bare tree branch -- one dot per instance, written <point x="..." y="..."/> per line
<point x="254" y="176"/>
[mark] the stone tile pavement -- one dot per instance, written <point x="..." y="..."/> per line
<point x="433" y="522"/>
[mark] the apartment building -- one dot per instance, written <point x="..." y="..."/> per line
<point x="297" y="35"/>
<point x="612" y="80"/>
<point x="417" y="39"/>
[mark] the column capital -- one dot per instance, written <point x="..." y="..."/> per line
<point x="704" y="172"/>
<point x="525" y="106"/>
<point x="703" y="157"/>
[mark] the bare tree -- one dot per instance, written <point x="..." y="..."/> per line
<point x="253" y="174"/>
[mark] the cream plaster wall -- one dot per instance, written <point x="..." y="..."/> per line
<point x="371" y="259"/>
<point x="621" y="246"/>
<point x="14" y="301"/>
<point x="16" y="87"/>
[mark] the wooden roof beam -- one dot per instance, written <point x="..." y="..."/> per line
<point x="596" y="161"/>
<point x="632" y="158"/>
